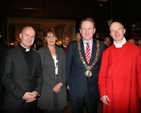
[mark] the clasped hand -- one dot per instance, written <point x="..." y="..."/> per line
<point x="30" y="96"/>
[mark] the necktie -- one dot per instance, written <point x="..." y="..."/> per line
<point x="87" y="53"/>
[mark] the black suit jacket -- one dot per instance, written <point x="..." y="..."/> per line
<point x="17" y="80"/>
<point x="76" y="79"/>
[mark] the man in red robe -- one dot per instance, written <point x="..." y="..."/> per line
<point x="119" y="79"/>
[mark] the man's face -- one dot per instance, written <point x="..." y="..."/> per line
<point x="117" y="31"/>
<point x="87" y="30"/>
<point x="27" y="37"/>
<point x="108" y="41"/>
<point x="66" y="41"/>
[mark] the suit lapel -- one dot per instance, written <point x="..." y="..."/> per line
<point x="33" y="65"/>
<point x="82" y="49"/>
<point x="48" y="54"/>
<point x="93" y="51"/>
<point x="49" y="59"/>
<point x="22" y="59"/>
<point x="49" y="62"/>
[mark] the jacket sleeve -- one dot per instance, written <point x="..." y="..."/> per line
<point x="39" y="79"/>
<point x="7" y="77"/>
<point x="69" y="62"/>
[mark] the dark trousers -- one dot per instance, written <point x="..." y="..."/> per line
<point x="23" y="111"/>
<point x="27" y="110"/>
<point x="1" y="97"/>
<point x="54" y="111"/>
<point x="78" y="104"/>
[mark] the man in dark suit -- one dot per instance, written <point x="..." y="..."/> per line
<point x="82" y="73"/>
<point x="22" y="75"/>
<point x="3" y="48"/>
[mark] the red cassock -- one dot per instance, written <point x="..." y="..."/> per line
<point x="120" y="78"/>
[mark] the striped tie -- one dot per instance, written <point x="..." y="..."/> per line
<point x="87" y="52"/>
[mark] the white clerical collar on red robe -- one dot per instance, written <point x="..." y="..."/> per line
<point x="117" y="45"/>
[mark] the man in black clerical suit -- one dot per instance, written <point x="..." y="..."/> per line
<point x="82" y="75"/>
<point x="22" y="75"/>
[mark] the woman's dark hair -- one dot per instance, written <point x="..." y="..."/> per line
<point x="49" y="30"/>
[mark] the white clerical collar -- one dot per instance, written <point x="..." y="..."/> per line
<point x="64" y="46"/>
<point x="119" y="45"/>
<point x="27" y="50"/>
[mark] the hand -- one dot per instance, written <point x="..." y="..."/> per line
<point x="35" y="94"/>
<point x="68" y="87"/>
<point x="57" y="87"/>
<point x="29" y="96"/>
<point x="105" y="99"/>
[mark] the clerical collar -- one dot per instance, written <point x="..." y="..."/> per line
<point x="27" y="50"/>
<point x="24" y="49"/>
<point x="119" y="45"/>
<point x="64" y="46"/>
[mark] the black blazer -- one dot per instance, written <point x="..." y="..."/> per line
<point x="76" y="79"/>
<point x="17" y="80"/>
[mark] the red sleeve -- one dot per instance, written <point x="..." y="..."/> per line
<point x="102" y="76"/>
<point x="139" y="70"/>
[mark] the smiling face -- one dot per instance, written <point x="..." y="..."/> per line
<point x="117" y="31"/>
<point x="51" y="39"/>
<point x="87" y="30"/>
<point x="27" y="37"/>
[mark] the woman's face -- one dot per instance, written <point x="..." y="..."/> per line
<point x="51" y="39"/>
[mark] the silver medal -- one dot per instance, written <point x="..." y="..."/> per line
<point x="88" y="73"/>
